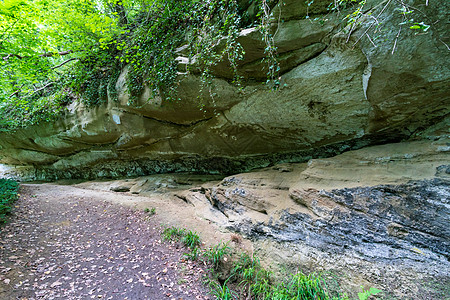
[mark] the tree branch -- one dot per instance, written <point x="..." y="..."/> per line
<point x="368" y="28"/>
<point x="47" y="54"/>
<point x="16" y="92"/>
<point x="8" y="56"/>
<point x="50" y="54"/>
<point x="34" y="92"/>
<point x="64" y="62"/>
<point x="43" y="88"/>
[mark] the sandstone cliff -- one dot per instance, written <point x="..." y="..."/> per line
<point x="340" y="90"/>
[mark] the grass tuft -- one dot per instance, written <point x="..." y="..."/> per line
<point x="149" y="211"/>
<point x="191" y="240"/>
<point x="173" y="233"/>
<point x="216" y="254"/>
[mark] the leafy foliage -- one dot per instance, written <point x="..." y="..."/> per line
<point x="40" y="41"/>
<point x="373" y="19"/>
<point x="365" y="294"/>
<point x="76" y="49"/>
<point x="35" y="35"/>
<point x="271" y="49"/>
<point x="173" y="233"/>
<point x="8" y="194"/>
<point x="152" y="47"/>
<point x="55" y="51"/>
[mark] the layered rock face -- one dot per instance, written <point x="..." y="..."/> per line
<point x="339" y="90"/>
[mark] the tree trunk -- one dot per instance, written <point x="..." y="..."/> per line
<point x="118" y="8"/>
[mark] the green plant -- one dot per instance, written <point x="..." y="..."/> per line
<point x="250" y="275"/>
<point x="104" y="37"/>
<point x="222" y="291"/>
<point x="173" y="233"/>
<point x="41" y="43"/>
<point x="420" y="26"/>
<point x="273" y="73"/>
<point x="216" y="254"/>
<point x="404" y="11"/>
<point x="8" y="194"/>
<point x="250" y="278"/>
<point x="149" y="211"/>
<point x="244" y="263"/>
<point x="194" y="254"/>
<point x="364" y="295"/>
<point x="373" y="19"/>
<point x="301" y="286"/>
<point x="191" y="240"/>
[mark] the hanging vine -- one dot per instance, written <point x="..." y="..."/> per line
<point x="273" y="73"/>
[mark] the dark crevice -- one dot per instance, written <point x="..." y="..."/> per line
<point x="87" y="143"/>
<point x="73" y="153"/>
<point x="307" y="60"/>
<point x="167" y="121"/>
<point x="185" y="199"/>
<point x="35" y="150"/>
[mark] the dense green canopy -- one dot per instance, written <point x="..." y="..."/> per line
<point x="36" y="37"/>
<point x="54" y="51"/>
<point x="40" y="40"/>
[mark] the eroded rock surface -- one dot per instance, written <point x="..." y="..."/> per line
<point x="339" y="91"/>
<point x="351" y="221"/>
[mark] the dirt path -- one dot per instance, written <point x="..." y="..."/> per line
<point x="66" y="246"/>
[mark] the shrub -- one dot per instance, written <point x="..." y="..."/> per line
<point x="8" y="194"/>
